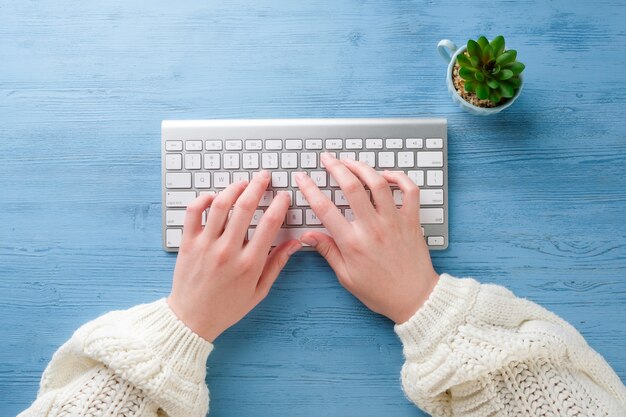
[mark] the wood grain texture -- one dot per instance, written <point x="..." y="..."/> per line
<point x="538" y="193"/>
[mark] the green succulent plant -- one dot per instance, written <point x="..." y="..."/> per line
<point x="490" y="71"/>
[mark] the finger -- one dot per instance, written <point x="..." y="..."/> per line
<point x="379" y="187"/>
<point x="271" y="221"/>
<point x="218" y="212"/>
<point x="321" y="205"/>
<point x="193" y="214"/>
<point x="410" y="193"/>
<point x="276" y="261"/>
<point x="326" y="246"/>
<point x="350" y="185"/>
<point x="245" y="206"/>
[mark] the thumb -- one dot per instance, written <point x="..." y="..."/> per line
<point x="326" y="246"/>
<point x="275" y="262"/>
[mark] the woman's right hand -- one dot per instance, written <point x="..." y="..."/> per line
<point x="380" y="257"/>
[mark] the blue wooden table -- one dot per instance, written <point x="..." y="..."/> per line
<point x="537" y="193"/>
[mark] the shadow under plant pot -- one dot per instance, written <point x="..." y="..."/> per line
<point x="469" y="101"/>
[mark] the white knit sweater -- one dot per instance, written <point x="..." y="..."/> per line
<point x="471" y="350"/>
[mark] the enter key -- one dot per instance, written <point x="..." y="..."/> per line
<point x="431" y="197"/>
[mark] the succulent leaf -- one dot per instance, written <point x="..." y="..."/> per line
<point x="507" y="57"/>
<point x="482" y="41"/>
<point x="515" y="82"/>
<point x="493" y="84"/>
<point x="467" y="73"/>
<point x="516" y="67"/>
<point x="487" y="54"/>
<point x="479" y="76"/>
<point x="505" y="74"/>
<point x="463" y="60"/>
<point x="495" y="97"/>
<point x="473" y="48"/>
<point x="506" y="90"/>
<point x="470" y="86"/>
<point x="497" y="44"/>
<point x="482" y="91"/>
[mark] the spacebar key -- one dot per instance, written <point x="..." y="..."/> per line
<point x="286" y="234"/>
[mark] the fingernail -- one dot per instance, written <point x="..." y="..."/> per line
<point x="265" y="174"/>
<point x="294" y="248"/>
<point x="309" y="240"/>
<point x="349" y="160"/>
<point x="300" y="175"/>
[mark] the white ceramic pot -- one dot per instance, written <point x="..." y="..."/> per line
<point x="448" y="51"/>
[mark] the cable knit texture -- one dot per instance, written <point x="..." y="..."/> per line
<point x="477" y="350"/>
<point x="139" y="362"/>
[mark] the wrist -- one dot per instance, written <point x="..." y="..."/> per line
<point x="197" y="325"/>
<point x="417" y="299"/>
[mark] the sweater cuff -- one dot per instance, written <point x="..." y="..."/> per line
<point x="151" y="348"/>
<point x="445" y="310"/>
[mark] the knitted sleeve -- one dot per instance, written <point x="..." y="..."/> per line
<point x="477" y="350"/>
<point x="137" y="362"/>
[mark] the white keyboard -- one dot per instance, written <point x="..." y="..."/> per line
<point x="205" y="156"/>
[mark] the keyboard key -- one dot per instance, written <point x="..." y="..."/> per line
<point x="233" y="145"/>
<point x="431" y="215"/>
<point x="406" y="159"/>
<point x="179" y="198"/>
<point x="294" y="217"/>
<point x="293" y="144"/>
<point x="173" y="237"/>
<point x="308" y="160"/>
<point x="175" y="217"/>
<point x="240" y="176"/>
<point x="250" y="161"/>
<point x="173" y="145"/>
<point x="280" y="179"/>
<point x="319" y="178"/>
<point x="221" y="179"/>
<point x="397" y="197"/>
<point x="256" y="217"/>
<point x="436" y="241"/>
<point x="349" y="215"/>
<point x="386" y="159"/>
<point x="193" y="161"/>
<point x="293" y="182"/>
<point x="393" y="143"/>
<point x="434" y="143"/>
<point x="269" y="160"/>
<point x="340" y="199"/>
<point x="253" y="144"/>
<point x="430" y="159"/>
<point x="374" y="143"/>
<point x="266" y="198"/>
<point x="289" y="160"/>
<point x="173" y="161"/>
<point x="193" y="145"/>
<point x="431" y="197"/>
<point x="434" y="178"/>
<point x="202" y="180"/>
<point x="368" y="157"/>
<point x="414" y="143"/>
<point x="354" y="143"/>
<point x="178" y="180"/>
<point x="212" y="161"/>
<point x="334" y="143"/>
<point x="417" y="177"/>
<point x="313" y="144"/>
<point x="231" y="161"/>
<point x="311" y="218"/>
<point x="289" y="233"/>
<point x="273" y="144"/>
<point x="346" y="155"/>
<point x="213" y="145"/>
<point x="300" y="200"/>
<point x="331" y="153"/>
